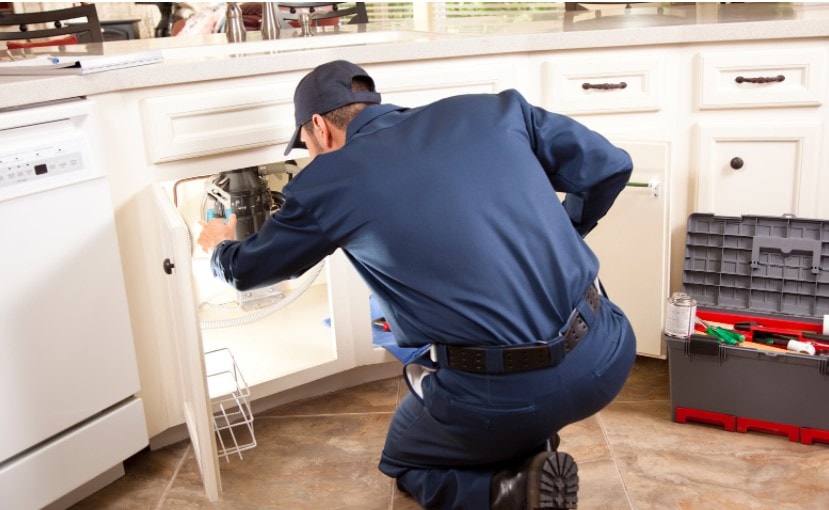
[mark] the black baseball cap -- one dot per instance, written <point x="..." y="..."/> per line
<point x="327" y="88"/>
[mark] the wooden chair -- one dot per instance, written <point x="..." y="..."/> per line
<point x="58" y="31"/>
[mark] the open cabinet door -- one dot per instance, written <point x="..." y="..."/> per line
<point x="633" y="244"/>
<point x="176" y="263"/>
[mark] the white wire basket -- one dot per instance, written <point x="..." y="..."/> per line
<point x="230" y="401"/>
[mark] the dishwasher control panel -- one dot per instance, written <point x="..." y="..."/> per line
<point x="39" y="162"/>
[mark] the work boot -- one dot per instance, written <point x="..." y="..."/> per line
<point x="553" y="442"/>
<point x="547" y="480"/>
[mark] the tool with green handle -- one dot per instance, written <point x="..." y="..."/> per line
<point x="724" y="335"/>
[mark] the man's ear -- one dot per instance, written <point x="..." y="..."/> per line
<point x="330" y="137"/>
<point x="322" y="131"/>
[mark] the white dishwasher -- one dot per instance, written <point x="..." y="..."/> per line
<point x="68" y="373"/>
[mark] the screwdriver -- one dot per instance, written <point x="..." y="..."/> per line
<point x="724" y="335"/>
<point x="804" y="341"/>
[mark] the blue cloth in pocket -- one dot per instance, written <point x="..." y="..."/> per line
<point x="385" y="339"/>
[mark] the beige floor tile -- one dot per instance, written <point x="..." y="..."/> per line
<point x="299" y="463"/>
<point x="147" y="475"/>
<point x="377" y="396"/>
<point x="648" y="381"/>
<point x="323" y="453"/>
<point x="667" y="465"/>
<point x="585" y="441"/>
<point x="600" y="486"/>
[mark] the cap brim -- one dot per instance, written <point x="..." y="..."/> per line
<point x="296" y="142"/>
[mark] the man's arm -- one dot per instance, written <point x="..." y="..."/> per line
<point x="288" y="244"/>
<point x="579" y="162"/>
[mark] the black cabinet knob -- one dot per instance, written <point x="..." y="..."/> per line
<point x="168" y="266"/>
<point x="736" y="163"/>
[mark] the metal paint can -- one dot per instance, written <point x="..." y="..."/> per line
<point x="681" y="314"/>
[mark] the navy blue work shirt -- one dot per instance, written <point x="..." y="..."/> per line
<point x="449" y="213"/>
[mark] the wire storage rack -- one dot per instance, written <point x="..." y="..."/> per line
<point x="230" y="401"/>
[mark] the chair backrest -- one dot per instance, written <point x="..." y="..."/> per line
<point x="56" y="27"/>
<point x="324" y="13"/>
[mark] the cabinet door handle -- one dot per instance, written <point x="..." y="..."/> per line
<point x="736" y="163"/>
<point x="760" y="79"/>
<point x="652" y="185"/>
<point x="168" y="266"/>
<point x="604" y="86"/>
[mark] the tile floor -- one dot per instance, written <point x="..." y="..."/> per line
<point x="323" y="453"/>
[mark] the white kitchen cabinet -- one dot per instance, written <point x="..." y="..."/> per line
<point x="712" y="106"/>
<point x="632" y="244"/>
<point x="682" y="115"/>
<point x="766" y="169"/>
<point x="184" y="134"/>
<point x="188" y="124"/>
<point x="758" y="130"/>
<point x="625" y="96"/>
<point x="302" y="342"/>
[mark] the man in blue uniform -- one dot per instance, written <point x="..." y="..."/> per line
<point x="450" y="214"/>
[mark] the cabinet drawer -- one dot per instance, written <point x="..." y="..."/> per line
<point x="604" y="85"/>
<point x="765" y="169"/>
<point x="420" y="84"/>
<point x="223" y="118"/>
<point x="762" y="78"/>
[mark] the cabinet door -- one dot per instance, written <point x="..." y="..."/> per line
<point x="290" y="334"/>
<point x="186" y="334"/>
<point x="758" y="169"/>
<point x="632" y="243"/>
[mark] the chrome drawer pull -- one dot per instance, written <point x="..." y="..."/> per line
<point x="761" y="79"/>
<point x="604" y="86"/>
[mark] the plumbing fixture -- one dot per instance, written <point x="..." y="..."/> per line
<point x="234" y="26"/>
<point x="306" y="20"/>
<point x="270" y="21"/>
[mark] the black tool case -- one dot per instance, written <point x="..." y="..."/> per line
<point x="772" y="270"/>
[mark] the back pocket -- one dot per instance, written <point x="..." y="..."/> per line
<point x="465" y="416"/>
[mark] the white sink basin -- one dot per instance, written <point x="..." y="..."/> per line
<point x="291" y="43"/>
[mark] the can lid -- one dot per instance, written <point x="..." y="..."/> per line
<point x="681" y="298"/>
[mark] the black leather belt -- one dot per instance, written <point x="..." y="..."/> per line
<point x="520" y="358"/>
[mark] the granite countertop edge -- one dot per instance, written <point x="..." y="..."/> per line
<point x="22" y="90"/>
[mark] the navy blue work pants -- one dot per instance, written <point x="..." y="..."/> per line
<point x="444" y="447"/>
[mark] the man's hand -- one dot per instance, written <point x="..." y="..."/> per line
<point x="216" y="231"/>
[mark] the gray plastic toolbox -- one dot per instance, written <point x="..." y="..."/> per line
<point x="767" y="269"/>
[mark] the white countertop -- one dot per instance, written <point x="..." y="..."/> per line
<point x="210" y="57"/>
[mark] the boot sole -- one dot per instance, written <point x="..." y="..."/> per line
<point x="555" y="482"/>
